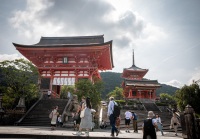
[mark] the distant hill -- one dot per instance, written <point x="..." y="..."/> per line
<point x="113" y="79"/>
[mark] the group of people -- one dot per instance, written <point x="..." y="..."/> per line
<point x="115" y="121"/>
<point x="151" y="123"/>
<point x="83" y="120"/>
<point x="82" y="117"/>
<point x="128" y="117"/>
<point x="149" y="127"/>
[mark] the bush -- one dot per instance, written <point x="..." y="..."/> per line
<point x="120" y="102"/>
<point x="161" y="104"/>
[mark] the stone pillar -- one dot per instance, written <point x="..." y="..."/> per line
<point x="190" y="123"/>
<point x="21" y="104"/>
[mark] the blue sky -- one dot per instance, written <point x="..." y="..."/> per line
<point x="165" y="34"/>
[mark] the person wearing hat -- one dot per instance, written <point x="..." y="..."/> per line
<point x="174" y="123"/>
<point x="149" y="126"/>
<point x="112" y="118"/>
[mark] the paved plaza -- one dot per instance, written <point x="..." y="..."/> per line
<point x="16" y="132"/>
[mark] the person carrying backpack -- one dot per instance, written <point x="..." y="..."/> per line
<point x="149" y="126"/>
<point x="112" y="116"/>
<point x="134" y="118"/>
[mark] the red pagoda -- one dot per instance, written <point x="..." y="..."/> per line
<point x="65" y="60"/>
<point x="135" y="86"/>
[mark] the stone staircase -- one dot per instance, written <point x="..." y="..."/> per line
<point x="151" y="107"/>
<point x="39" y="115"/>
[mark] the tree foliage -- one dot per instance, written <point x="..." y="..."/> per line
<point x="19" y="80"/>
<point x="167" y="97"/>
<point x="117" y="93"/>
<point x="65" y="89"/>
<point x="85" y="87"/>
<point x="188" y="95"/>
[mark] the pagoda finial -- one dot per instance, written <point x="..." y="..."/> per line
<point x="133" y="58"/>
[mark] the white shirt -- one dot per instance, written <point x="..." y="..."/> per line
<point x="158" y="120"/>
<point x="111" y="107"/>
<point x="49" y="92"/>
<point x="128" y="115"/>
<point x="59" y="119"/>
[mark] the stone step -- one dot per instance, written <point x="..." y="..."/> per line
<point x="40" y="113"/>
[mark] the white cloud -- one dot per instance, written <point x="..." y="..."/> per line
<point x="29" y="22"/>
<point x="174" y="83"/>
<point x="159" y="41"/>
<point x="9" y="57"/>
<point x="195" y="76"/>
<point x="153" y="33"/>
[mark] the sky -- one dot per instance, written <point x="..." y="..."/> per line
<point x="164" y="34"/>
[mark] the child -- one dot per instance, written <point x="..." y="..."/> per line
<point x="59" y="121"/>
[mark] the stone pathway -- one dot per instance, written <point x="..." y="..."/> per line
<point x="97" y="133"/>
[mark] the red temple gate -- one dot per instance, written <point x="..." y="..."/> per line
<point x="65" y="60"/>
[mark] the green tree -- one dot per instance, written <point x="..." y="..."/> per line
<point x="20" y="80"/>
<point x="65" y="89"/>
<point x="117" y="93"/>
<point x="166" y="97"/>
<point x="85" y="87"/>
<point x="188" y="95"/>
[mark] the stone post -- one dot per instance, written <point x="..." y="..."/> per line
<point x="21" y="104"/>
<point x="190" y="123"/>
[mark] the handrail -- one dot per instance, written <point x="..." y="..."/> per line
<point x="66" y="107"/>
<point x="30" y="109"/>
<point x="157" y="107"/>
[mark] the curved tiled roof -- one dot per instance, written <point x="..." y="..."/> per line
<point x="133" y="67"/>
<point x="71" y="40"/>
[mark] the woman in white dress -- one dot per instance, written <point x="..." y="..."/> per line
<point x="86" y="120"/>
<point x="54" y="118"/>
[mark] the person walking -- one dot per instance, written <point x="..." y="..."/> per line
<point x="77" y="118"/>
<point x="159" y="124"/>
<point x="111" y="116"/>
<point x="54" y="117"/>
<point x="149" y="126"/>
<point x="49" y="93"/>
<point x="174" y="123"/>
<point x="134" y="117"/>
<point x="128" y="116"/>
<point x="117" y="123"/>
<point x="86" y="120"/>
